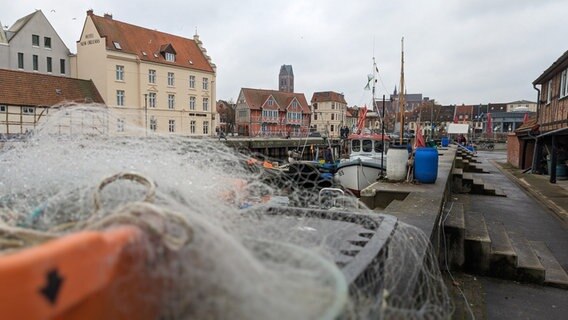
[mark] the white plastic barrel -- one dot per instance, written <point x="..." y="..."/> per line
<point x="397" y="158"/>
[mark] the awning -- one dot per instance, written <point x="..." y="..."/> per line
<point x="556" y="132"/>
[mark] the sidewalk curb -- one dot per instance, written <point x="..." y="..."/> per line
<point x="559" y="212"/>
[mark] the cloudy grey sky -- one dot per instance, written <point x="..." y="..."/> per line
<point x="456" y="51"/>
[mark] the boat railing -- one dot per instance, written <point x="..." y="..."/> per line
<point x="331" y="197"/>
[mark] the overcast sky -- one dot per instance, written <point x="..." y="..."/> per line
<point x="456" y="51"/>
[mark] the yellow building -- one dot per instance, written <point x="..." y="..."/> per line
<point x="328" y="113"/>
<point x="149" y="79"/>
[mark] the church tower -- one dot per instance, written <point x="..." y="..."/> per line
<point x="286" y="79"/>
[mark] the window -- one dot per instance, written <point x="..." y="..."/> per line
<point x="171" y="101"/>
<point x="205" y="84"/>
<point x="549" y="92"/>
<point x="171" y="79"/>
<point x="192" y="82"/>
<point x="191" y="103"/>
<point x="49" y="65"/>
<point x="119" y="73"/>
<point x="2" y="108"/>
<point x="270" y="102"/>
<point x="171" y="125"/>
<point x="20" y="60"/>
<point x="35" y="62"/>
<point x="205" y="127"/>
<point x="117" y="45"/>
<point x="151" y="76"/>
<point x="119" y="97"/>
<point x="170" y="57"/>
<point x="35" y="40"/>
<point x="47" y="42"/>
<point x="120" y="125"/>
<point x="205" y="104"/>
<point x="152" y="99"/>
<point x="62" y="66"/>
<point x="192" y="126"/>
<point x="332" y="117"/>
<point x="153" y="124"/>
<point x="563" y="84"/>
<point x="28" y="110"/>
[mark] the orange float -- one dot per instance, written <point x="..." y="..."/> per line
<point x="85" y="275"/>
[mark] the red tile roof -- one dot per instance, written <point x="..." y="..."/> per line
<point x="137" y="40"/>
<point x="35" y="89"/>
<point x="255" y="98"/>
<point x="325" y="96"/>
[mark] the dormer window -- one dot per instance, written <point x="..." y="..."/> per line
<point x="168" y="52"/>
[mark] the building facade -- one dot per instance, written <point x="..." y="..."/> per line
<point x="549" y="136"/>
<point x="270" y="113"/>
<point x="31" y="44"/>
<point x="226" y="116"/>
<point x="521" y="106"/>
<point x="329" y="111"/>
<point x="27" y="99"/>
<point x="149" y="79"/>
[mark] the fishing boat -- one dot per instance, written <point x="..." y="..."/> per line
<point x="366" y="162"/>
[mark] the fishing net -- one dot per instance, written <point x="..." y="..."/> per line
<point x="216" y="237"/>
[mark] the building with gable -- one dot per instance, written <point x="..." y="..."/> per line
<point x="272" y="113"/>
<point x="329" y="110"/>
<point x="32" y="44"/>
<point x="27" y="98"/>
<point x="150" y="79"/>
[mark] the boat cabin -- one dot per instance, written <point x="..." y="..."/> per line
<point x="367" y="145"/>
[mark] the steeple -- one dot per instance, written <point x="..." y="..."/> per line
<point x="394" y="93"/>
<point x="286" y="79"/>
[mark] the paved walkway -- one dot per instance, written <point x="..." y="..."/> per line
<point x="537" y="210"/>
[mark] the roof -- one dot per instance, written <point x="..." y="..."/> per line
<point x="36" y="89"/>
<point x="325" y="96"/>
<point x="555" y="68"/>
<point x="522" y="102"/>
<point x="255" y="98"/>
<point x="20" y="23"/>
<point x="138" y="40"/>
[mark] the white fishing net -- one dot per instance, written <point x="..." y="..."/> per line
<point x="217" y="239"/>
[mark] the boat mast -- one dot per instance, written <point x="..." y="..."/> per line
<point x="401" y="93"/>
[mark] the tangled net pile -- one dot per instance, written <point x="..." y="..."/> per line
<point x="74" y="174"/>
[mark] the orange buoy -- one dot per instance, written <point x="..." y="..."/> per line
<point x="86" y="275"/>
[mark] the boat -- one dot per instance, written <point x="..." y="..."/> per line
<point x="366" y="162"/>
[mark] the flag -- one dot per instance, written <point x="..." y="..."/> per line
<point x="526" y="118"/>
<point x="362" y="118"/>
<point x="370" y="78"/>
<point x="489" y="124"/>
<point x="419" y="141"/>
<point x="455" y="114"/>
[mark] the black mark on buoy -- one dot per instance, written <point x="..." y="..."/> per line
<point x="53" y="283"/>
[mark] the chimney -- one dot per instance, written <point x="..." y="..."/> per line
<point x="90" y="12"/>
<point x="108" y="16"/>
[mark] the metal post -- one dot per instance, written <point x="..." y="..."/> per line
<point x="383" y="135"/>
<point x="146" y="114"/>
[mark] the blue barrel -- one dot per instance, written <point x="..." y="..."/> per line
<point x="426" y="165"/>
<point x="445" y="142"/>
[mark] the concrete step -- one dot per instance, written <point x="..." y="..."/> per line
<point x="554" y="275"/>
<point x="454" y="235"/>
<point x="467" y="177"/>
<point x="457" y="171"/>
<point x="395" y="206"/>
<point x="477" y="244"/>
<point x="529" y="267"/>
<point x="503" y="261"/>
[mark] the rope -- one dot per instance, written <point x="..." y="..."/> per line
<point x="172" y="229"/>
